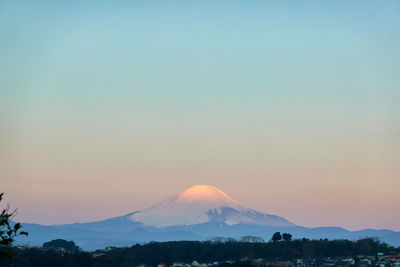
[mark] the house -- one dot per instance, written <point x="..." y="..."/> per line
<point x="396" y="261"/>
<point x="109" y="248"/>
<point x="349" y="261"/>
<point x="365" y="261"/>
<point x="304" y="262"/>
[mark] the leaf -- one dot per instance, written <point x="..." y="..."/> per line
<point x="17" y="226"/>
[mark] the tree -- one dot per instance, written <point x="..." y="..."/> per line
<point x="276" y="237"/>
<point x="251" y="239"/>
<point x="287" y="236"/>
<point x="8" y="230"/>
<point x="62" y="244"/>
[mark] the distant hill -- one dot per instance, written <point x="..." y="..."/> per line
<point x="200" y="212"/>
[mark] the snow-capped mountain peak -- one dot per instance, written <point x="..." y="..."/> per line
<point x="205" y="193"/>
<point x="200" y="204"/>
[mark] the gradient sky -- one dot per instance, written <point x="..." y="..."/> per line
<point x="290" y="107"/>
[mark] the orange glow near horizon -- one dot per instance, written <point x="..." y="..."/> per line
<point x="291" y="109"/>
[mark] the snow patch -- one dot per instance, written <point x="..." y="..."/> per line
<point x="200" y="204"/>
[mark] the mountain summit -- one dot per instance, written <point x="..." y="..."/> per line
<point x="201" y="204"/>
<point x="197" y="213"/>
<point x="207" y="193"/>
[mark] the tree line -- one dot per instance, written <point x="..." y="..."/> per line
<point x="154" y="253"/>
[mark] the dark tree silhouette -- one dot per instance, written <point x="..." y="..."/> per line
<point x="153" y="253"/>
<point x="276" y="237"/>
<point x="62" y="244"/>
<point x="8" y="230"/>
<point x="251" y="239"/>
<point x="287" y="236"/>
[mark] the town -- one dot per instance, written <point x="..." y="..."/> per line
<point x="249" y="251"/>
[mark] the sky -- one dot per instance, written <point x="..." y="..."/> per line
<point x="290" y="107"/>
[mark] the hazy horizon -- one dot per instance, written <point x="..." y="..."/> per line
<point x="291" y="108"/>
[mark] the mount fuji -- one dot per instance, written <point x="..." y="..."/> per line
<point x="201" y="204"/>
<point x="200" y="212"/>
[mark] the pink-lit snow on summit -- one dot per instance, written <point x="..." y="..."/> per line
<point x="205" y="193"/>
<point x="200" y="204"/>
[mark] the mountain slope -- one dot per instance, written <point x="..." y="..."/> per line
<point x="200" y="204"/>
<point x="200" y="212"/>
<point x="121" y="231"/>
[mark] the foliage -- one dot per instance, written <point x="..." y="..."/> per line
<point x="251" y="239"/>
<point x="62" y="244"/>
<point x="8" y="230"/>
<point x="276" y="237"/>
<point x="204" y="252"/>
<point x="287" y="236"/>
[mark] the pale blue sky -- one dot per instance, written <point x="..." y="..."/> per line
<point x="115" y="96"/>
